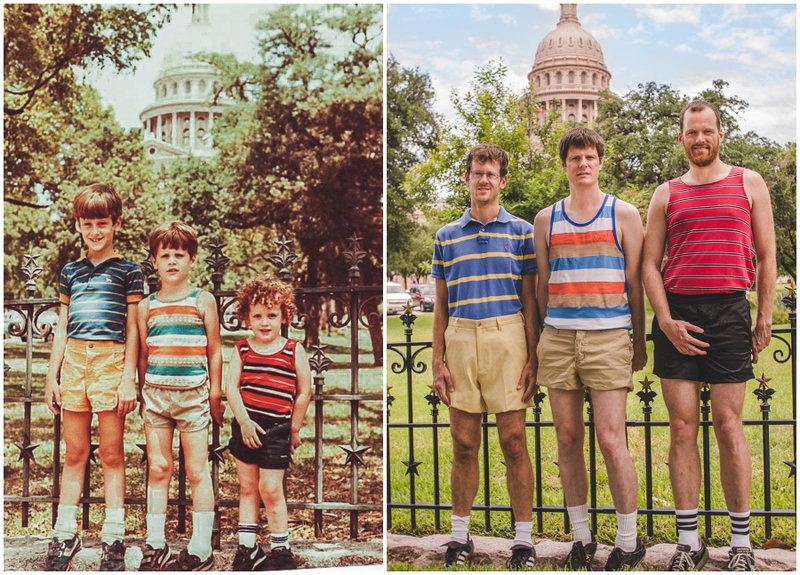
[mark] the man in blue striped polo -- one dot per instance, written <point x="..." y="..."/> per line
<point x="484" y="345"/>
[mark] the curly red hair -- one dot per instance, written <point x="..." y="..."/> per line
<point x="268" y="291"/>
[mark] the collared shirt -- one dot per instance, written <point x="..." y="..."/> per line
<point x="483" y="264"/>
<point x="98" y="296"/>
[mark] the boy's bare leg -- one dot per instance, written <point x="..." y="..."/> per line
<point x="112" y="458"/>
<point x="195" y="452"/>
<point x="249" y="502"/>
<point x="77" y="434"/>
<point x="159" y="458"/>
<point x="271" y="487"/>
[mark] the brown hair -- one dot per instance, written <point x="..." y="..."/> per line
<point x="268" y="291"/>
<point x="173" y="235"/>
<point x="97" y="201"/>
<point x="580" y="138"/>
<point x="488" y="153"/>
<point x="698" y="106"/>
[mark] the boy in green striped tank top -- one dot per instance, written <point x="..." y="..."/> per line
<point x="180" y="373"/>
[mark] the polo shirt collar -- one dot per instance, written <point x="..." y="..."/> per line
<point x="503" y="217"/>
<point x="85" y="259"/>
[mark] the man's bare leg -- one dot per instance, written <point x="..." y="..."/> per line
<point x="465" y="429"/>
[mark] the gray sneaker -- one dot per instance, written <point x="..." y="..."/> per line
<point x="685" y="559"/>
<point x="741" y="559"/>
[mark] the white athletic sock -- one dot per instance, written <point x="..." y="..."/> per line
<point x="459" y="531"/>
<point x="579" y="518"/>
<point x="626" y="532"/>
<point x="740" y="529"/>
<point x="247" y="534"/>
<point x="114" y="526"/>
<point x="279" y="540"/>
<point x="522" y="535"/>
<point x="686" y="520"/>
<point x="155" y="530"/>
<point x="200" y="543"/>
<point x="66" y="522"/>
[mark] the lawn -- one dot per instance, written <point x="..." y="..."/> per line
<point x="781" y="449"/>
<point x="301" y="476"/>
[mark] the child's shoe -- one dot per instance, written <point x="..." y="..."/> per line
<point x="188" y="562"/>
<point x="154" y="559"/>
<point x="283" y="559"/>
<point x="113" y="557"/>
<point x="60" y="553"/>
<point x="249" y="558"/>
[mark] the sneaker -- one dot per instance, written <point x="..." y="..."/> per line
<point x="154" y="559"/>
<point x="113" y="557"/>
<point x="685" y="559"/>
<point x="620" y="560"/>
<point x="283" y="559"/>
<point x="458" y="553"/>
<point x="581" y="555"/>
<point x="189" y="562"/>
<point x="248" y="558"/>
<point x="741" y="559"/>
<point x="60" y="553"/>
<point x="521" y="558"/>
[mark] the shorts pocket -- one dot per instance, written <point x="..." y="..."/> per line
<point x="277" y="441"/>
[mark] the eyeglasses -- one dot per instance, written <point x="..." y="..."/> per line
<point x="479" y="175"/>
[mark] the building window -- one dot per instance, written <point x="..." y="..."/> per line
<point x="164" y="91"/>
<point x="569" y="41"/>
<point x="547" y="78"/>
<point x="187" y="87"/>
<point x="594" y="79"/>
<point x="558" y="78"/>
<point x="202" y="86"/>
<point x="560" y="40"/>
<point x="572" y="77"/>
<point x="583" y="77"/>
<point x="590" y="43"/>
<point x="174" y="88"/>
<point x="580" y="41"/>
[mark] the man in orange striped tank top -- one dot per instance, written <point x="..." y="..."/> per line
<point x="590" y="294"/>
<point x="712" y="222"/>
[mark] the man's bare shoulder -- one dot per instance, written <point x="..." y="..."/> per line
<point x="754" y="184"/>
<point x="543" y="217"/>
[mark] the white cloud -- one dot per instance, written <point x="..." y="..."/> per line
<point x="666" y="14"/>
<point x="433" y="45"/>
<point x="477" y="13"/>
<point x="549" y="7"/>
<point x="508" y="19"/>
<point x="683" y="48"/>
<point x="786" y="20"/>
<point x="603" y="31"/>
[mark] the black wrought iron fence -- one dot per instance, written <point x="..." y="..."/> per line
<point x="352" y="308"/>
<point x="404" y="359"/>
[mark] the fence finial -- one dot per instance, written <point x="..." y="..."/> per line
<point x="216" y="263"/>
<point x="353" y="255"/>
<point x="283" y="258"/>
<point x="32" y="271"/>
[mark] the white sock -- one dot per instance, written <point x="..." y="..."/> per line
<point x="155" y="530"/>
<point x="740" y="529"/>
<point x="522" y="535"/>
<point x="114" y="526"/>
<point x="579" y="518"/>
<point x="686" y="520"/>
<point x="459" y="530"/>
<point x="202" y="526"/>
<point x="66" y="522"/>
<point x="247" y="534"/>
<point x="279" y="540"/>
<point x="626" y="532"/>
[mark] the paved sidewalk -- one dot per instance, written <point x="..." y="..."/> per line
<point x="28" y="554"/>
<point x="424" y="551"/>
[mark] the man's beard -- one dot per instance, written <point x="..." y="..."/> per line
<point x="699" y="159"/>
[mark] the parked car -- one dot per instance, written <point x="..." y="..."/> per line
<point x="424" y="295"/>
<point x="396" y="298"/>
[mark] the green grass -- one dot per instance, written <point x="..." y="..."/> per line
<point x="336" y="431"/>
<point x="781" y="450"/>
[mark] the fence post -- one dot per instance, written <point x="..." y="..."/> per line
<point x="319" y="364"/>
<point x="764" y="393"/>
<point x="705" y="410"/>
<point x="408" y="318"/>
<point x="646" y="396"/>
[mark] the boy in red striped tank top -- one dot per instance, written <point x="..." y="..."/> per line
<point x="269" y="389"/>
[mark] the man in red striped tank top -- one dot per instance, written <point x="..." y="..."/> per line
<point x="712" y="222"/>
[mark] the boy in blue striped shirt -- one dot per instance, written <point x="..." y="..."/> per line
<point x="94" y="356"/>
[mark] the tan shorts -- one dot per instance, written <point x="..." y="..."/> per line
<point x="185" y="409"/>
<point x="572" y="359"/>
<point x="90" y="375"/>
<point x="485" y="359"/>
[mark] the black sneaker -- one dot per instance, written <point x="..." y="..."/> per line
<point x="249" y="558"/>
<point x="685" y="559"/>
<point x="620" y="560"/>
<point x="741" y="559"/>
<point x="154" y="559"/>
<point x="60" y="553"/>
<point x="458" y="553"/>
<point x="522" y="558"/>
<point x="283" y="559"/>
<point x="189" y="562"/>
<point x="580" y="556"/>
<point x="113" y="557"/>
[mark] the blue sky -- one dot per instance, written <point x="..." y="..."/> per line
<point x="752" y="47"/>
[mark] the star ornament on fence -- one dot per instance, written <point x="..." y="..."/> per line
<point x="791" y="290"/>
<point x="143" y="447"/>
<point x="92" y="448"/>
<point x="764" y="391"/>
<point x="792" y="467"/>
<point x="389" y="397"/>
<point x="355" y="453"/>
<point x="26" y="452"/>
<point x="217" y="454"/>
<point x="647" y="395"/>
<point x="318" y="361"/>
<point x="412" y="467"/>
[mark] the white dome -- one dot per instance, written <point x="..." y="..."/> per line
<point x="195" y="38"/>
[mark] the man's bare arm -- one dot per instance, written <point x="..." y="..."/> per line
<point x="632" y="234"/>
<point x="442" y="382"/>
<point x="541" y="228"/>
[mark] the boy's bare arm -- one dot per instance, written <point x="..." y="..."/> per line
<point x="126" y="394"/>
<point x="144" y="350"/>
<point x="208" y="308"/>
<point x="303" y="393"/>
<point x="52" y="393"/>
<point x="250" y="429"/>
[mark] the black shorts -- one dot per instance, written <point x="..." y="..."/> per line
<point x="276" y="444"/>
<point x="725" y="319"/>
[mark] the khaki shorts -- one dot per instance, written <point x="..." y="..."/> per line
<point x="572" y="359"/>
<point x="90" y="375"/>
<point x="185" y="409"/>
<point x="485" y="358"/>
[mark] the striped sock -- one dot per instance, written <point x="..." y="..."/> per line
<point x="740" y="529"/>
<point x="247" y="534"/>
<point x="279" y="540"/>
<point x="686" y="520"/>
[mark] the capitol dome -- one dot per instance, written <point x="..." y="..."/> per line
<point x="569" y="67"/>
